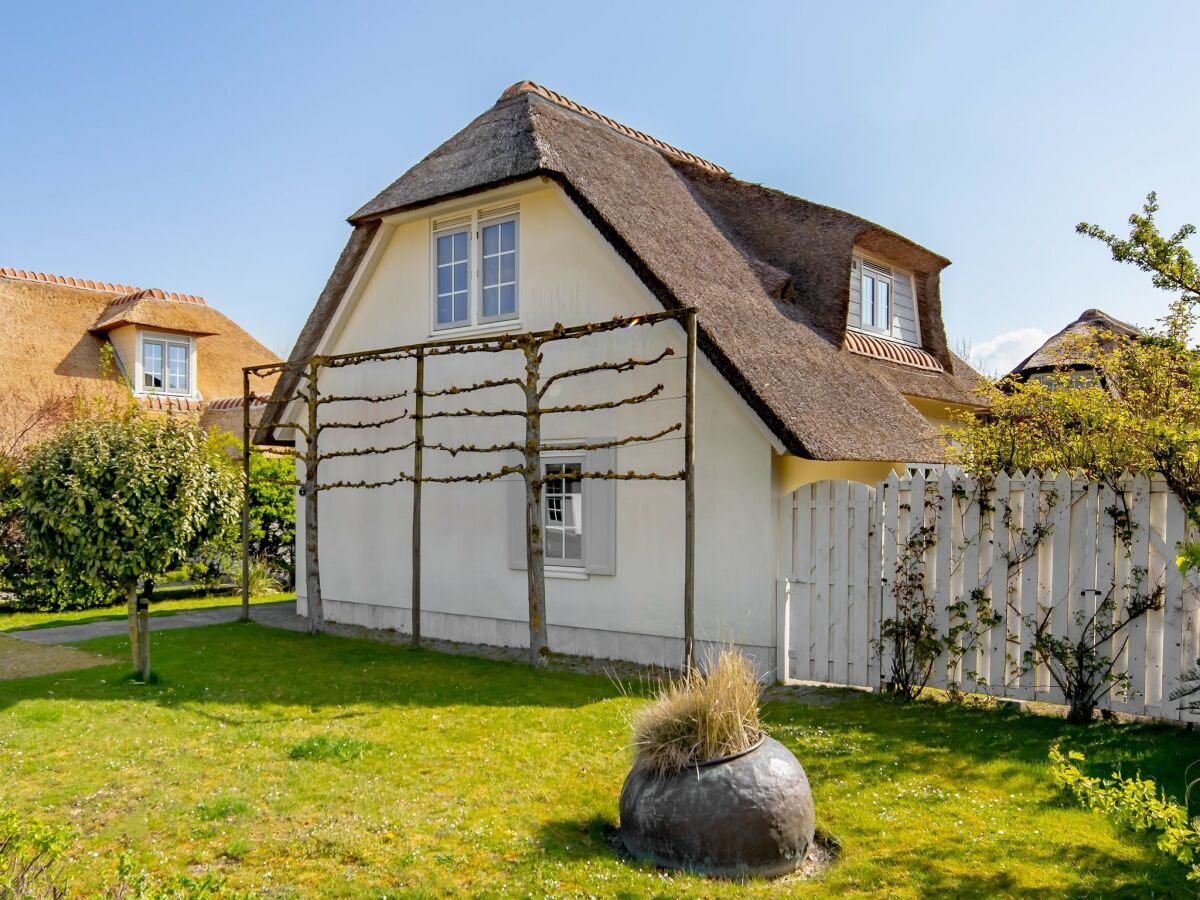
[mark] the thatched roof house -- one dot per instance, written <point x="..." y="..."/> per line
<point x="174" y="351"/>
<point x="775" y="278"/>
<point x="1062" y="351"/>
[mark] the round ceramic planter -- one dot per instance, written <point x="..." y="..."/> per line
<point x="741" y="815"/>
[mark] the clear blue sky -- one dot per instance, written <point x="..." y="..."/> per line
<point x="217" y="148"/>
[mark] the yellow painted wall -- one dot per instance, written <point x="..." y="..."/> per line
<point x="124" y="342"/>
<point x="790" y="472"/>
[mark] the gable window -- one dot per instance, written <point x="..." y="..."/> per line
<point x="876" y="298"/>
<point x="499" y="270"/>
<point x="453" y="279"/>
<point x="475" y="270"/>
<point x="562" y="499"/>
<point x="166" y="365"/>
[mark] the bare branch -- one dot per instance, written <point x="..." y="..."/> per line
<point x="482" y="385"/>
<point x="331" y="398"/>
<point x="615" y="476"/>
<point x="365" y="451"/>
<point x="604" y="445"/>
<point x="626" y="366"/>
<point x="471" y="448"/>
<point x="591" y="407"/>
<point x="335" y="485"/>
<point x="378" y="424"/>
<point x="460" y="413"/>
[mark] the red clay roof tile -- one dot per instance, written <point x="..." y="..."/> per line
<point x="126" y="292"/>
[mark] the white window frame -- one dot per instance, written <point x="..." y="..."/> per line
<point x="450" y="232"/>
<point x="166" y="341"/>
<point x="473" y="223"/>
<point x="879" y="275"/>
<point x="558" y="459"/>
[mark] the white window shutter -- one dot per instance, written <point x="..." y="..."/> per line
<point x="600" y="513"/>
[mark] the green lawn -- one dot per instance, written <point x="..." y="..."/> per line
<point x="22" y="621"/>
<point x="297" y="766"/>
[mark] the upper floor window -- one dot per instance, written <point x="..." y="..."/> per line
<point x="876" y="298"/>
<point x="882" y="301"/>
<point x="453" y="280"/>
<point x="166" y="365"/>
<point x="475" y="270"/>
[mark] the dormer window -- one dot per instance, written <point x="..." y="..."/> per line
<point x="166" y="364"/>
<point x="882" y="301"/>
<point x="876" y="298"/>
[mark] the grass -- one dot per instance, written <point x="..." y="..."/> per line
<point x="486" y="777"/>
<point x="321" y="746"/>
<point x="699" y="716"/>
<point x="24" y="621"/>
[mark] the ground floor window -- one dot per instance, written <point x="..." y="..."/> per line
<point x="562" y="519"/>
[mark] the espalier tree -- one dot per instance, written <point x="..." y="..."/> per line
<point x="120" y="500"/>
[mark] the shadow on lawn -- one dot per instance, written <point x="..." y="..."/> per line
<point x="953" y="740"/>
<point x="255" y="666"/>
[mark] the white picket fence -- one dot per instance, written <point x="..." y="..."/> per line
<point x="1025" y="545"/>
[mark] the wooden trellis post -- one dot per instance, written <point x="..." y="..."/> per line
<point x="316" y="612"/>
<point x="245" y="495"/>
<point x="418" y="475"/>
<point x="689" y="502"/>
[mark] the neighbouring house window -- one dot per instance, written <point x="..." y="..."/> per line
<point x="876" y="298"/>
<point x="476" y="270"/>
<point x="453" y="279"/>
<point x="562" y="499"/>
<point x="152" y="365"/>
<point x="166" y="365"/>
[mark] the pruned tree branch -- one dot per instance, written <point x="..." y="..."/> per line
<point x="482" y="385"/>
<point x="366" y="451"/>
<point x="626" y="366"/>
<point x="379" y="424"/>
<point x="364" y="398"/>
<point x="592" y="407"/>
<point x="620" y="442"/>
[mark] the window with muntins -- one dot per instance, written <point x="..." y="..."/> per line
<point x="476" y="270"/>
<point x="562" y="519"/>
<point x="453" y="279"/>
<point x="166" y="366"/>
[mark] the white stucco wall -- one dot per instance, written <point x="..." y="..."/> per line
<point x="567" y="274"/>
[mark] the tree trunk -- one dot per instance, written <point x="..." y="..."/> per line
<point x="143" y="616"/>
<point x="135" y="641"/>
<point x="312" y="568"/>
<point x="535" y="551"/>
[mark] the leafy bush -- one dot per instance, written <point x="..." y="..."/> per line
<point x="31" y="858"/>
<point x="699" y="716"/>
<point x="1136" y="803"/>
<point x="342" y="749"/>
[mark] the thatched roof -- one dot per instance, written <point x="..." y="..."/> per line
<point x="55" y="330"/>
<point x="769" y="273"/>
<point x="1062" y="350"/>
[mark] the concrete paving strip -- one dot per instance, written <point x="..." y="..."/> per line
<point x="192" y="618"/>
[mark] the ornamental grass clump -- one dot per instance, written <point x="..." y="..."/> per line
<point x="699" y="716"/>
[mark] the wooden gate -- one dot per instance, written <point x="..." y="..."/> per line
<point x="832" y="615"/>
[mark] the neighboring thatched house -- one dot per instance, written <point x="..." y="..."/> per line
<point x="67" y="337"/>
<point x="1066" y="351"/>
<point x="823" y="356"/>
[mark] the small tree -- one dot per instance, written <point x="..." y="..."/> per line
<point x="121" y="500"/>
<point x="1138" y="412"/>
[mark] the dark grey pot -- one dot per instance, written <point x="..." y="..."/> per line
<point x="748" y="814"/>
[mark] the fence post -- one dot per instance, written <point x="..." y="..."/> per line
<point x="245" y="495"/>
<point x="418" y="474"/>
